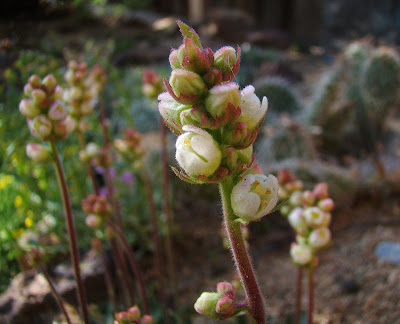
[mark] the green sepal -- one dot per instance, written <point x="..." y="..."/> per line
<point x="280" y="205"/>
<point x="190" y="33"/>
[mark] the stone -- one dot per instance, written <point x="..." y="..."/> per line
<point x="388" y="251"/>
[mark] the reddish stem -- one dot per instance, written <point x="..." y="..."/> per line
<point x="298" y="294"/>
<point x="134" y="266"/>
<point x="310" y="296"/>
<point x="73" y="245"/>
<point x="56" y="294"/>
<point x="242" y="260"/>
<point x="82" y="143"/>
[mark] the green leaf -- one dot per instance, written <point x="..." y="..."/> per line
<point x="280" y="205"/>
<point x="190" y="33"/>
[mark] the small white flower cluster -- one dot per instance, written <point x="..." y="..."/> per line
<point x="217" y="124"/>
<point x="309" y="213"/>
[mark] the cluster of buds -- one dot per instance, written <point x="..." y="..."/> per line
<point x="220" y="304"/>
<point x="216" y="122"/>
<point x="46" y="113"/>
<point x="309" y="213"/>
<point x="132" y="316"/>
<point x="152" y="84"/>
<point x="84" y="88"/>
<point x="97" y="208"/>
<point x="130" y="145"/>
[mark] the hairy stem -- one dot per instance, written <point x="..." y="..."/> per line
<point x="73" y="245"/>
<point x="310" y="296"/>
<point x="242" y="260"/>
<point x="134" y="266"/>
<point x="55" y="294"/>
<point x="299" y="282"/>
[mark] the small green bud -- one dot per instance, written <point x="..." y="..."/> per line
<point x="207" y="303"/>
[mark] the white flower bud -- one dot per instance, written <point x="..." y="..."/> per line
<point x="301" y="254"/>
<point x="40" y="127"/>
<point x="296" y="219"/>
<point x="58" y="111"/>
<point x="315" y="217"/>
<point x="170" y="109"/>
<point x="37" y="152"/>
<point x="320" y="237"/>
<point x="254" y="196"/>
<point x="252" y="110"/>
<point x="197" y="152"/>
<point x="220" y="96"/>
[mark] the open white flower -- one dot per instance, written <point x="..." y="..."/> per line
<point x="296" y="219"/>
<point x="320" y="237"/>
<point x="316" y="218"/>
<point x="252" y="110"/>
<point x="197" y="152"/>
<point x="301" y="254"/>
<point x="254" y="196"/>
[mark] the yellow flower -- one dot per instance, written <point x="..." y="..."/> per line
<point x="18" y="202"/>
<point x="5" y="181"/>
<point x="28" y="222"/>
<point x="18" y="232"/>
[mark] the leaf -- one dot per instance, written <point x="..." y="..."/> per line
<point x="190" y="33"/>
<point x="280" y="205"/>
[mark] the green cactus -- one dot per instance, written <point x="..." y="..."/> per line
<point x="281" y="97"/>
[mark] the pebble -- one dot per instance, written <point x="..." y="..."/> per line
<point x="388" y="251"/>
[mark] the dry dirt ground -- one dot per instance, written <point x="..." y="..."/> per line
<point x="351" y="285"/>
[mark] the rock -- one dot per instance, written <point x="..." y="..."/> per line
<point x="388" y="251"/>
<point x="29" y="300"/>
<point x="349" y="286"/>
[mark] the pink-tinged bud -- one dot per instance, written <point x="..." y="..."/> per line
<point x="40" y="127"/>
<point x="315" y="217"/>
<point x="235" y="134"/>
<point x="27" y="108"/>
<point x="230" y="158"/>
<point x="122" y="318"/>
<point x="58" y="93"/>
<point x="192" y="116"/>
<point x="298" y="185"/>
<point x="308" y="197"/>
<point x="296" y="198"/>
<point x="207" y="303"/>
<point x="286" y="176"/>
<point x="225" y="59"/>
<point x="134" y="313"/>
<point x="176" y="56"/>
<point x="57" y="111"/>
<point x="220" y="97"/>
<point x="326" y="205"/>
<point x="213" y="77"/>
<point x="320" y="238"/>
<point x="50" y="82"/>
<point x="296" y="219"/>
<point x="225" y="307"/>
<point x="195" y="59"/>
<point x="93" y="220"/>
<point x="64" y="127"/>
<point x="28" y="89"/>
<point x="226" y="287"/>
<point x="34" y="81"/>
<point x="246" y="155"/>
<point x="187" y="86"/>
<point x="254" y="196"/>
<point x="170" y="110"/>
<point x="301" y="254"/>
<point x="253" y="111"/>
<point x="321" y="190"/>
<point x="37" y="152"/>
<point x="147" y="319"/>
<point x="197" y="152"/>
<point x="39" y="97"/>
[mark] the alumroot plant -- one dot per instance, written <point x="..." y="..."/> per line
<point x="216" y="124"/>
<point x="309" y="213"/>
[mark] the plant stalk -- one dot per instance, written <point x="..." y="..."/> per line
<point x="242" y="260"/>
<point x="56" y="294"/>
<point x="73" y="245"/>
<point x="310" y="296"/>
<point x="134" y="266"/>
<point x="298" y="294"/>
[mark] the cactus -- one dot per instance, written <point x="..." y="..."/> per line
<point x="281" y="97"/>
<point x="353" y="103"/>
